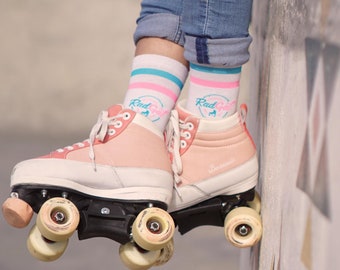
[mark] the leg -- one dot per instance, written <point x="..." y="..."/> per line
<point x="216" y="46"/>
<point x="159" y="68"/>
<point x="161" y="46"/>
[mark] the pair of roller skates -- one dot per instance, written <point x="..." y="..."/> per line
<point x="101" y="190"/>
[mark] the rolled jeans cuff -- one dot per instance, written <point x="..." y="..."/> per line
<point x="229" y="52"/>
<point x="154" y="26"/>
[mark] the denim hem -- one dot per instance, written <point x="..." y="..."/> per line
<point x="229" y="52"/>
<point x="153" y="26"/>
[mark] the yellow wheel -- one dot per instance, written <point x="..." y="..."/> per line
<point x="255" y="203"/>
<point x="57" y="219"/>
<point x="43" y="249"/>
<point x="153" y="228"/>
<point x="17" y="212"/>
<point x="242" y="227"/>
<point x="136" y="258"/>
<point x="166" y="253"/>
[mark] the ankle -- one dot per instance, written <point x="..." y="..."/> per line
<point x="155" y="84"/>
<point x="213" y="92"/>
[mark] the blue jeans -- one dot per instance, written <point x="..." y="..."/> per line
<point x="213" y="32"/>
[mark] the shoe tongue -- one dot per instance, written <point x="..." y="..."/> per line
<point x="114" y="110"/>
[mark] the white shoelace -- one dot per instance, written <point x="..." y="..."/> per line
<point x="175" y="130"/>
<point x="99" y="131"/>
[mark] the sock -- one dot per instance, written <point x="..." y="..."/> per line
<point x="155" y="84"/>
<point x="213" y="92"/>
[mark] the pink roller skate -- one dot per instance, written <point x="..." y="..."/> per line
<point x="216" y="170"/>
<point x="118" y="184"/>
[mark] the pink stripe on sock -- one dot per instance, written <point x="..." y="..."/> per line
<point x="214" y="84"/>
<point x="154" y="87"/>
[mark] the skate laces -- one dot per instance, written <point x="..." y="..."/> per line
<point x="101" y="128"/>
<point x="99" y="132"/>
<point x="176" y="129"/>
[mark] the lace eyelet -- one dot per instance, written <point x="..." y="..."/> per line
<point x="111" y="132"/>
<point x="187" y="135"/>
<point x="183" y="144"/>
<point x="190" y="126"/>
<point x="118" y="124"/>
<point x="126" y="116"/>
<point x="69" y="148"/>
<point x="80" y="144"/>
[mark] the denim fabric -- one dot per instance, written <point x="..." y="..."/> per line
<point x="212" y="32"/>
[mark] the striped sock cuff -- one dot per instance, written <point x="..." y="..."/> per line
<point x="215" y="70"/>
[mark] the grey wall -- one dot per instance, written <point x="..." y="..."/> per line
<point x="295" y="88"/>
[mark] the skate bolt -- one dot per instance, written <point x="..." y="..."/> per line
<point x="58" y="217"/>
<point x="154" y="226"/>
<point x="44" y="193"/>
<point x="14" y="195"/>
<point x="243" y="230"/>
<point x="105" y="211"/>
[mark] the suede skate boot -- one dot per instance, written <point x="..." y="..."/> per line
<point x="117" y="184"/>
<point x="125" y="158"/>
<point x="209" y="157"/>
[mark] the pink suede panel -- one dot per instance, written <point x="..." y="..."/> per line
<point x="137" y="147"/>
<point x="210" y="154"/>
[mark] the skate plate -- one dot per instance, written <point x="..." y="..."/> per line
<point x="126" y="222"/>
<point x="99" y="217"/>
<point x="210" y="212"/>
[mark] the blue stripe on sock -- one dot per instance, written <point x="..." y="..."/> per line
<point x="215" y="70"/>
<point x="160" y="73"/>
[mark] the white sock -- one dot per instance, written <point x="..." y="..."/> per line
<point x="213" y="92"/>
<point x="155" y="84"/>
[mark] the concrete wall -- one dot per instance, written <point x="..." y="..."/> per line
<point x="294" y="105"/>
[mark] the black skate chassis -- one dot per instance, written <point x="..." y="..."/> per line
<point x="113" y="219"/>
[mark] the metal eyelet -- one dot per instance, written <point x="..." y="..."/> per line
<point x="191" y="126"/>
<point x="126" y="116"/>
<point x="111" y="132"/>
<point x="118" y="124"/>
<point x="187" y="135"/>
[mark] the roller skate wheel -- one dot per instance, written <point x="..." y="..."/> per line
<point x="17" y="212"/>
<point x="136" y="258"/>
<point x="153" y="228"/>
<point x="57" y="219"/>
<point x="166" y="254"/>
<point x="42" y="248"/>
<point x="242" y="227"/>
<point x="255" y="203"/>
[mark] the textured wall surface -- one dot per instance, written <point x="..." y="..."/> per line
<point x="295" y="69"/>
